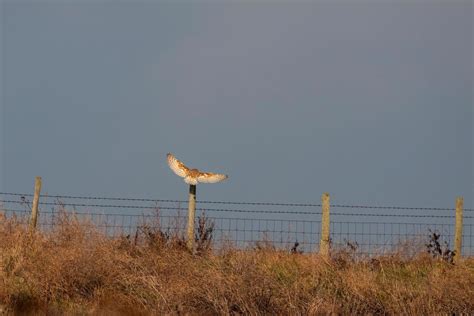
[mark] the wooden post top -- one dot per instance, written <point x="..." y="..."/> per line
<point x="459" y="202"/>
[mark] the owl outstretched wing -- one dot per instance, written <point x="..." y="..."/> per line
<point x="177" y="166"/>
<point x="208" y="177"/>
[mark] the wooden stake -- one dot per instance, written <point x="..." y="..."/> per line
<point x="324" y="242"/>
<point x="458" y="233"/>
<point x="191" y="216"/>
<point x="34" y="209"/>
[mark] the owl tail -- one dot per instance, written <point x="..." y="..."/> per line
<point x="190" y="180"/>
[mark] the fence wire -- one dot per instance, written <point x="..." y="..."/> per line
<point x="364" y="229"/>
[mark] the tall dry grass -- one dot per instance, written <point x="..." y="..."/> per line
<point x="76" y="269"/>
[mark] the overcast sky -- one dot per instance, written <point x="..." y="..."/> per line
<point x="370" y="101"/>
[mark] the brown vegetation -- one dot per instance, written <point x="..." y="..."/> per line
<point x="76" y="269"/>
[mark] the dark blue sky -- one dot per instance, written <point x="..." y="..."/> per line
<point x="372" y="102"/>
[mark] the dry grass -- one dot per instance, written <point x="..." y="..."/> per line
<point x="75" y="269"/>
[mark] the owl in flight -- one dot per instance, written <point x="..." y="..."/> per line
<point x="193" y="176"/>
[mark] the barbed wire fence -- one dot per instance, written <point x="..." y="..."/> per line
<point x="367" y="228"/>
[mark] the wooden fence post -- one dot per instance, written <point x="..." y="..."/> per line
<point x="458" y="233"/>
<point x="324" y="242"/>
<point x="191" y="216"/>
<point x="34" y="208"/>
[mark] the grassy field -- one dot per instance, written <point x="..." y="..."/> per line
<point x="76" y="269"/>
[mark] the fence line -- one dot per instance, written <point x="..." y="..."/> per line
<point x="283" y="224"/>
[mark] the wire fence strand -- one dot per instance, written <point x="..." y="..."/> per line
<point x="380" y="207"/>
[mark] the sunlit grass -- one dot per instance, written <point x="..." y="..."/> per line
<point x="76" y="269"/>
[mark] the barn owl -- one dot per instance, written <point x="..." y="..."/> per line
<point x="193" y="176"/>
